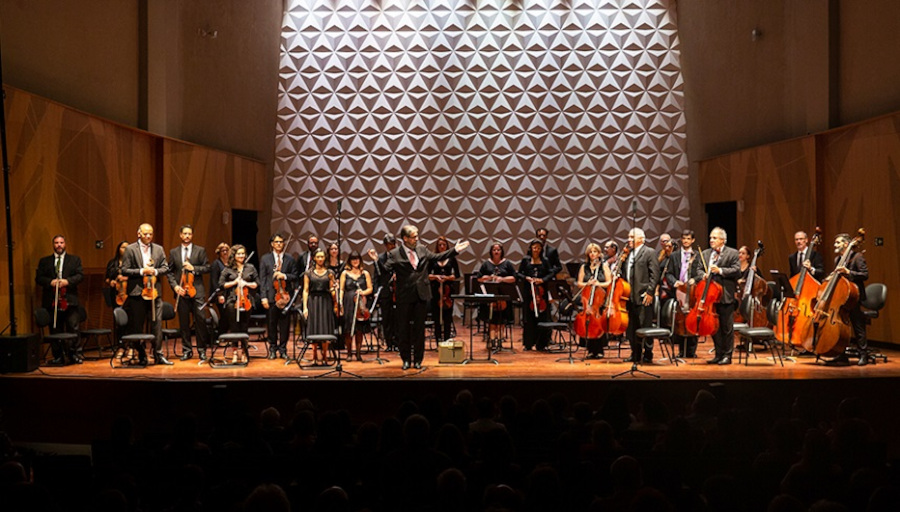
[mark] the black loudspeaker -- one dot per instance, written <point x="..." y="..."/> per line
<point x="20" y="354"/>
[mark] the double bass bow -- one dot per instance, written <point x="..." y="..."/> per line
<point x="702" y="320"/>
<point x="797" y="311"/>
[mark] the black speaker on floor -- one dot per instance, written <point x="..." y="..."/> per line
<point x="20" y="354"/>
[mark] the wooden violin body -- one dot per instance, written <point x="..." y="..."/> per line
<point x="282" y="297"/>
<point x="187" y="283"/>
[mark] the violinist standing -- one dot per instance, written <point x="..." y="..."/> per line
<point x="305" y="260"/>
<point x="806" y="257"/>
<point x="857" y="271"/>
<point x="441" y="273"/>
<point x="642" y="273"/>
<point x="277" y="269"/>
<point x="387" y="300"/>
<point x="61" y="271"/>
<point x="410" y="261"/>
<point x="238" y="277"/>
<point x="594" y="272"/>
<point x="666" y="247"/>
<point x="215" y="271"/>
<point x="188" y="258"/>
<point x="145" y="259"/>
<point x="682" y="265"/>
<point x="549" y="253"/>
<point x="319" y="304"/>
<point x="497" y="269"/>
<point x="724" y="268"/>
<point x="535" y="270"/>
<point x="354" y="281"/>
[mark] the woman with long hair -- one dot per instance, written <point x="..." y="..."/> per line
<point x="355" y="281"/>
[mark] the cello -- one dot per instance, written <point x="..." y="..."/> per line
<point x="830" y="325"/>
<point x="703" y="320"/>
<point x="588" y="322"/>
<point x="615" y="319"/>
<point x="796" y="312"/>
<point x="755" y="290"/>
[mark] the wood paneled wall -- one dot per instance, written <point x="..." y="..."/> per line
<point x="94" y="180"/>
<point x="840" y="180"/>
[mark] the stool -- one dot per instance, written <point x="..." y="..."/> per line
<point x="233" y="340"/>
<point x="88" y="334"/>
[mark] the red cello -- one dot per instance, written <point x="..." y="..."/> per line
<point x="703" y="320"/>
<point x="615" y="319"/>
<point x="588" y="322"/>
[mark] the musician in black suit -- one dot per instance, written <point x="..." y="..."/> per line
<point x="277" y="265"/>
<point x="725" y="269"/>
<point x="384" y="281"/>
<point x="305" y="259"/>
<point x="410" y="262"/>
<point x="145" y="259"/>
<point x="549" y="254"/>
<point x="857" y="271"/>
<point x="642" y="273"/>
<point x="682" y="265"/>
<point x="186" y="259"/>
<point x="60" y="274"/>
<point x="806" y="257"/>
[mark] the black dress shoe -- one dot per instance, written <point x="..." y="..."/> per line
<point x="78" y="359"/>
<point x="283" y="354"/>
<point x="271" y="355"/>
<point x="161" y="359"/>
<point x="715" y="360"/>
<point x="863" y="360"/>
<point x="58" y="361"/>
<point x="631" y="359"/>
<point x="417" y="366"/>
<point x="647" y="360"/>
<point x="202" y="355"/>
<point x="405" y="365"/>
<point x="724" y="360"/>
<point x="187" y="355"/>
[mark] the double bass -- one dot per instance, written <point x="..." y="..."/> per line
<point x="830" y="326"/>
<point x="756" y="291"/>
<point x="797" y="312"/>
<point x="588" y="322"/>
<point x="702" y="320"/>
<point x="615" y="319"/>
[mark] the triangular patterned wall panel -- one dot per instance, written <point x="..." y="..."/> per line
<point x="480" y="120"/>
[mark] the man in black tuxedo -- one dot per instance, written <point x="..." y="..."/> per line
<point x="549" y="254"/>
<point x="305" y="259"/>
<point x="144" y="258"/>
<point x="188" y="258"/>
<point x="857" y="271"/>
<point x="63" y="270"/>
<point x="277" y="265"/>
<point x="410" y="262"/>
<point x="642" y="273"/>
<point x="725" y="269"/>
<point x="682" y="265"/>
<point x="806" y="257"/>
<point x="384" y="281"/>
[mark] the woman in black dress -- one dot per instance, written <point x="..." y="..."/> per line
<point x="594" y="272"/>
<point x="497" y="269"/>
<point x="114" y="277"/>
<point x="319" y="303"/>
<point x="333" y="259"/>
<point x="355" y="281"/>
<point x="534" y="271"/>
<point x="238" y="279"/>
<point x="440" y="273"/>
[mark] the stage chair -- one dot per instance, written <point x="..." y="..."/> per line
<point x="224" y="341"/>
<point x="129" y="342"/>
<point x="663" y="330"/>
<point x="168" y="334"/>
<point x="764" y="336"/>
<point x="876" y="296"/>
<point x="257" y="332"/>
<point x="67" y="340"/>
<point x="95" y="334"/>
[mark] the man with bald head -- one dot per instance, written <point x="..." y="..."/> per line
<point x="145" y="259"/>
<point x="724" y="268"/>
<point x="642" y="273"/>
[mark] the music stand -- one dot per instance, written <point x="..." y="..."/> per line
<point x="787" y="292"/>
<point x="513" y="291"/>
<point x="479" y="299"/>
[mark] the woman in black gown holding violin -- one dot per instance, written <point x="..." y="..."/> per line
<point x="497" y="269"/>
<point x="534" y="271"/>
<point x="319" y="303"/>
<point x="441" y="274"/>
<point x="237" y="280"/>
<point x="355" y="280"/>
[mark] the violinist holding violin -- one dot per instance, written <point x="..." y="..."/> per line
<point x="594" y="277"/>
<point x="58" y="276"/>
<point x="497" y="269"/>
<point x="724" y="269"/>
<point x="278" y="278"/>
<point x="238" y="279"/>
<point x="857" y="272"/>
<point x="144" y="263"/>
<point x="441" y="273"/>
<point x="355" y="289"/>
<point x="534" y="271"/>
<point x="642" y="273"/>
<point x="189" y="263"/>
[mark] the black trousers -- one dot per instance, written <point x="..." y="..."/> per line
<point x="411" y="330"/>
<point x="66" y="321"/>
<point x="139" y="312"/>
<point x="188" y="307"/>
<point x="858" y="323"/>
<point x="723" y="339"/>
<point x="687" y="345"/>
<point x="279" y="326"/>
<point x="639" y="316"/>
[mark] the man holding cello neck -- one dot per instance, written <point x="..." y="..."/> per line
<point x="857" y="272"/>
<point x="642" y="273"/>
<point x="725" y="268"/>
<point x="145" y="259"/>
<point x="189" y="263"/>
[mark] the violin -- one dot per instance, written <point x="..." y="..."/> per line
<point x="187" y="283"/>
<point x="755" y="292"/>
<point x="242" y="294"/>
<point x="149" y="292"/>
<point x="282" y="297"/>
<point x="59" y="300"/>
<point x="446" y="300"/>
<point x="121" y="292"/>
<point x="588" y="322"/>
<point x="615" y="319"/>
<point x="500" y="305"/>
<point x="538" y="304"/>
<point x="334" y="294"/>
<point x="797" y="311"/>
<point x="831" y="329"/>
<point x="362" y="312"/>
<point x="703" y="320"/>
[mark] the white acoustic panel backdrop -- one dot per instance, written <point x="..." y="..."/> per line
<point x="480" y="120"/>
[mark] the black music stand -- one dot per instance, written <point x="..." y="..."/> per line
<point x="787" y="292"/>
<point x="634" y="364"/>
<point x="513" y="291"/>
<point x="479" y="299"/>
